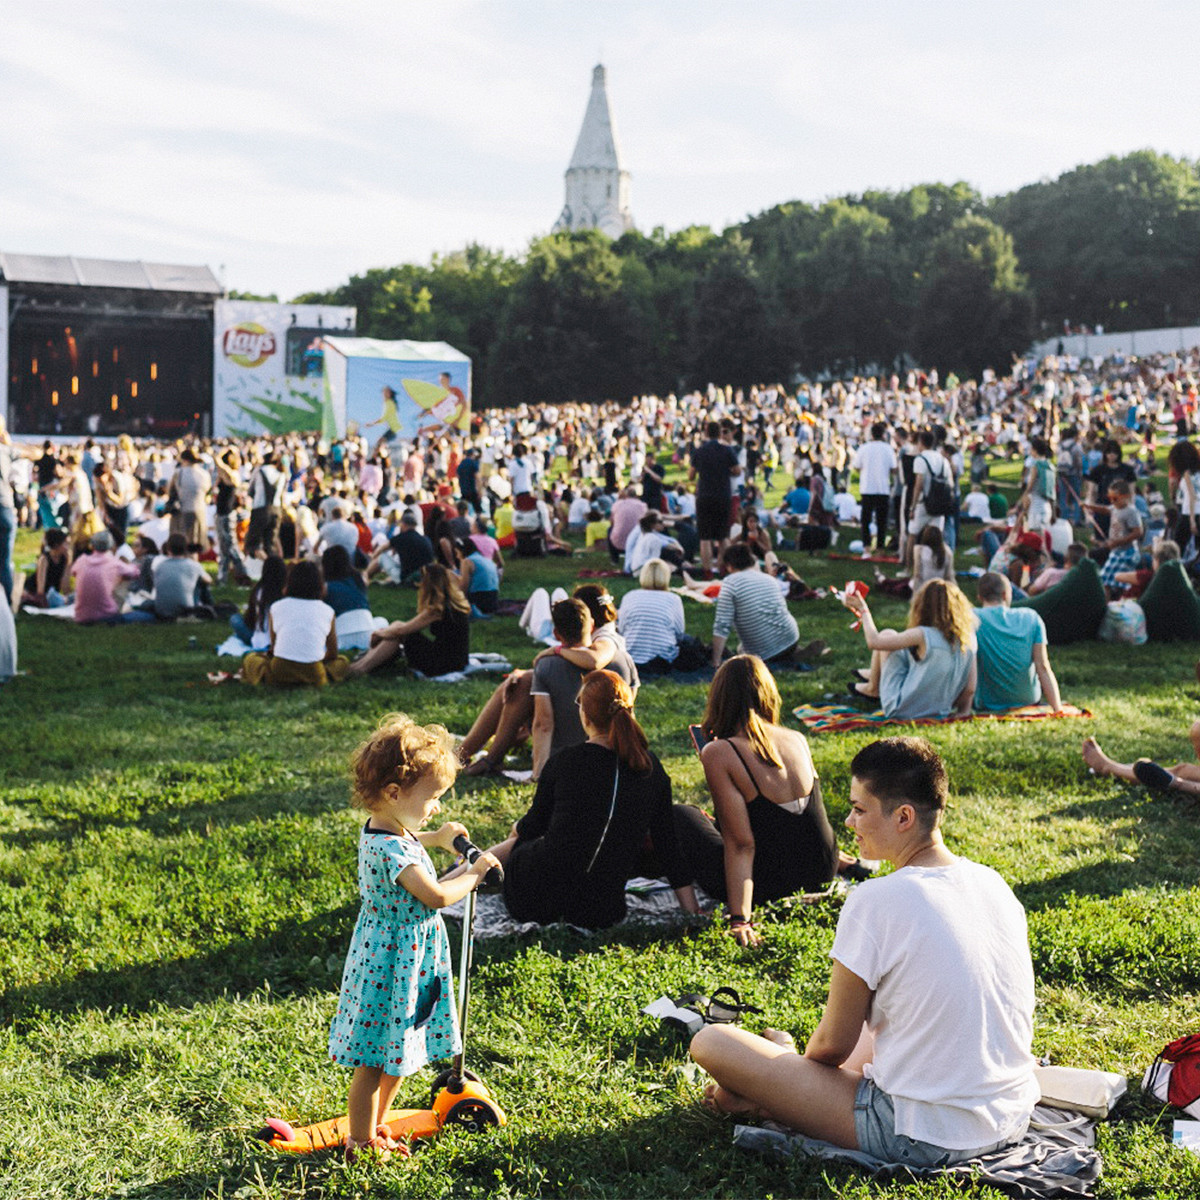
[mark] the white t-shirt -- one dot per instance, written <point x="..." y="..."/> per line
<point x="578" y="512"/>
<point x="876" y="459"/>
<point x="301" y="629"/>
<point x="946" y="952"/>
<point x="975" y="506"/>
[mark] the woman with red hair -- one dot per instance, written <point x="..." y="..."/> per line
<point x="569" y="856"/>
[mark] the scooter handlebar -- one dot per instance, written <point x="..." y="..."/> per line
<point x="469" y="851"/>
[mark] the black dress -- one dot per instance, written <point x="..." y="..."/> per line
<point x="793" y="852"/>
<point x="548" y="876"/>
<point x="447" y="649"/>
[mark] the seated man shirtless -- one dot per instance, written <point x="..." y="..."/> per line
<point x="1182" y="777"/>
<point x="923" y="1053"/>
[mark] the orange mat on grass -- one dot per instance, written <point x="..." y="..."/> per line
<point x="838" y="718"/>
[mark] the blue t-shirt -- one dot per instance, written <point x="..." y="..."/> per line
<point x="1006" y="638"/>
<point x="798" y="501"/>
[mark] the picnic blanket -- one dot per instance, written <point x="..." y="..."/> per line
<point x="600" y="573"/>
<point x="871" y="558"/>
<point x="477" y="664"/>
<point x="648" y="902"/>
<point x="839" y="718"/>
<point x="1057" y="1157"/>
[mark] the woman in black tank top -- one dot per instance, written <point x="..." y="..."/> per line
<point x="760" y="847"/>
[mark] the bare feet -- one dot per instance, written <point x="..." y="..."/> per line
<point x="780" y="1037"/>
<point x="481" y="766"/>
<point x="722" y="1102"/>
<point x="1095" y="757"/>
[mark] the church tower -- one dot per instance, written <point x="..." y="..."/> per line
<point x="597" y="186"/>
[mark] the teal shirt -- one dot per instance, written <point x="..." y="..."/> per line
<point x="1006" y="638"/>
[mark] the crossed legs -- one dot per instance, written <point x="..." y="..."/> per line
<point x="1186" y="776"/>
<point x="764" y="1076"/>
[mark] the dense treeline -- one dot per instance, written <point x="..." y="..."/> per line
<point x="937" y="273"/>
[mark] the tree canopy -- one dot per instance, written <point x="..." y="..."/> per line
<point x="936" y="273"/>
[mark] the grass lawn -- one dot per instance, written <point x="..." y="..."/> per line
<point x="178" y="870"/>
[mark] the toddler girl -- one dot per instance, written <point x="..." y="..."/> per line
<point x="396" y="1010"/>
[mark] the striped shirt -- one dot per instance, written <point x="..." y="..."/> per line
<point x="752" y="603"/>
<point x="652" y="624"/>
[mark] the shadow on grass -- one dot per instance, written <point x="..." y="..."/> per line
<point x="290" y="961"/>
<point x="1161" y="825"/>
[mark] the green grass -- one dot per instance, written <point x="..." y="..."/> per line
<point x="178" y="893"/>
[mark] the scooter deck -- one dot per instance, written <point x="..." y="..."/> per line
<point x="402" y="1123"/>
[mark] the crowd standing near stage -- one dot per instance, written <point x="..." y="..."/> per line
<point x="671" y="491"/>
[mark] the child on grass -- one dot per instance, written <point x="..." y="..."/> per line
<point x="396" y="1009"/>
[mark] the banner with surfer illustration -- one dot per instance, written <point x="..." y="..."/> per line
<point x="397" y="390"/>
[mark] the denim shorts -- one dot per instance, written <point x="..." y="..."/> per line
<point x="875" y="1127"/>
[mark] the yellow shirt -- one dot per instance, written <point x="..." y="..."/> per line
<point x="597" y="531"/>
<point x="503" y="517"/>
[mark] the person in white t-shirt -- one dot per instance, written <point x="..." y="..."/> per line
<point x="923" y="1054"/>
<point x="876" y="463"/>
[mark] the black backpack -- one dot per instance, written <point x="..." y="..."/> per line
<point x="939" y="495"/>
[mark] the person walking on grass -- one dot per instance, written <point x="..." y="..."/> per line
<point x="396" y="1010"/>
<point x="923" y="1053"/>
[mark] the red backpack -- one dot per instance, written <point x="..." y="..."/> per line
<point x="1174" y="1076"/>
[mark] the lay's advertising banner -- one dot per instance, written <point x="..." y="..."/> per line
<point x="269" y="366"/>
<point x="397" y="390"/>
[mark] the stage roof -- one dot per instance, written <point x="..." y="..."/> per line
<point x="69" y="271"/>
<point x="403" y="351"/>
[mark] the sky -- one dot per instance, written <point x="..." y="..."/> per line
<point x="289" y="144"/>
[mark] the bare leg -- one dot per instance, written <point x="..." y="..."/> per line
<point x="755" y="1075"/>
<point x="871" y="686"/>
<point x="1103" y="765"/>
<point x="364" y="1093"/>
<point x="706" y="549"/>
<point x="379" y="654"/>
<point x="1194" y="737"/>
<point x="485" y="725"/>
<point x="516" y="712"/>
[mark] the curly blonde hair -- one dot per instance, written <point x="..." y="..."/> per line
<point x="400" y="751"/>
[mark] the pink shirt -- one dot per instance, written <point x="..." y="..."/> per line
<point x="486" y="545"/>
<point x="625" y="515"/>
<point x="96" y="575"/>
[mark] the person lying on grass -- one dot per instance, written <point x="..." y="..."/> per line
<point x="923" y="1054"/>
<point x="1182" y="777"/>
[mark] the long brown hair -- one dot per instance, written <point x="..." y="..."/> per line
<point x="607" y="702"/>
<point x="440" y="590"/>
<point x="942" y="605"/>
<point x="743" y="699"/>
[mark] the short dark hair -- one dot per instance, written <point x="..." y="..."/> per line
<point x="336" y="564"/>
<point x="569" y="617"/>
<point x="904" y="770"/>
<point x="176" y="545"/>
<point x="712" y="429"/>
<point x="928" y="439"/>
<point x="738" y="557"/>
<point x="993" y="586"/>
<point x="305" y="581"/>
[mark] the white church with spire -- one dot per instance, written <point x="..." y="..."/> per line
<point x="598" y="186"/>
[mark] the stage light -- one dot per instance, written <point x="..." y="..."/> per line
<point x="74" y="385"/>
<point x="34" y="371"/>
<point x="95" y="368"/>
<point x="114" y="402"/>
<point x="54" y="399"/>
<point x="133" y="389"/>
<point x="114" y="354"/>
<point x="154" y="370"/>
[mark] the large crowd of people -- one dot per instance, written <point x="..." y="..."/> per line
<point x="674" y="488"/>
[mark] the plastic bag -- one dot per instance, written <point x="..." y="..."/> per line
<point x="1124" y="622"/>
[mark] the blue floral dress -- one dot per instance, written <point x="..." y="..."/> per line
<point x="396" y="1009"/>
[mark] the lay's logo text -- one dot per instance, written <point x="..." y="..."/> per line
<point x="248" y="344"/>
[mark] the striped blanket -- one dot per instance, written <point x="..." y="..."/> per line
<point x="838" y="718"/>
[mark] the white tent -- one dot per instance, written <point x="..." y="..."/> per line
<point x="396" y="388"/>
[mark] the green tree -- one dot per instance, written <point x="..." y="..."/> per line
<point x="974" y="309"/>
<point x="1115" y="243"/>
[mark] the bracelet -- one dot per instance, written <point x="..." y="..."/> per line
<point x="736" y="922"/>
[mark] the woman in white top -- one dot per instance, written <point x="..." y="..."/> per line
<point x="303" y="636"/>
<point x="923" y="1054"/>
<point x="651" y="619"/>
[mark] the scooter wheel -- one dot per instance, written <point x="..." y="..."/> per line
<point x="472" y="1115"/>
<point x="443" y="1080"/>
